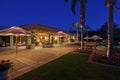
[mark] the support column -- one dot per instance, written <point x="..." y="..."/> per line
<point x="11" y="40"/>
<point x="51" y="38"/>
<point x="29" y="40"/>
<point x="58" y="39"/>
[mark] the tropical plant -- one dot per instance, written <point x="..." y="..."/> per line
<point x="86" y="29"/>
<point x="77" y="25"/>
<point x="82" y="16"/>
<point x="116" y="7"/>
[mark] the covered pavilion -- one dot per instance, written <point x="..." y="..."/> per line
<point x="46" y="34"/>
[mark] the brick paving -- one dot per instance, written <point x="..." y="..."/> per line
<point x="28" y="59"/>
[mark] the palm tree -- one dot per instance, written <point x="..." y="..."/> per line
<point x="82" y="16"/>
<point x="71" y="27"/>
<point x="117" y="8"/>
<point x="86" y="29"/>
<point x="110" y="43"/>
<point x="77" y="25"/>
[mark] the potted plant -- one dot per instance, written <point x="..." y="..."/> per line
<point x="5" y="65"/>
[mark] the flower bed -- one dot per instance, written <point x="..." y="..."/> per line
<point x="101" y="58"/>
<point x="5" y="65"/>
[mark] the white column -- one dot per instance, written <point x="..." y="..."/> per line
<point x="29" y="40"/>
<point x="11" y="40"/>
<point x="58" y="39"/>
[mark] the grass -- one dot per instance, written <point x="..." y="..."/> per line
<point x="72" y="66"/>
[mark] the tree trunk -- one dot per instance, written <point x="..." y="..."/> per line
<point x="82" y="23"/>
<point x="110" y="41"/>
<point x="77" y="34"/>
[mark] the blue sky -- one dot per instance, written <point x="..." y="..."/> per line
<point x="55" y="13"/>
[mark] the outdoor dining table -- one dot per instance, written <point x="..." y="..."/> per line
<point x="90" y="46"/>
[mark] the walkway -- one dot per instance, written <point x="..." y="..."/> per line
<point x="28" y="59"/>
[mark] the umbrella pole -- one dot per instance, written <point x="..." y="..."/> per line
<point x="95" y="43"/>
<point x="16" y="45"/>
<point x="87" y="41"/>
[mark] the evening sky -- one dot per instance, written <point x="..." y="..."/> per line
<point x="54" y="13"/>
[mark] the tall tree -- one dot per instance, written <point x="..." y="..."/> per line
<point x="77" y="26"/>
<point x="86" y="29"/>
<point x="110" y="43"/>
<point x="103" y="30"/>
<point x="82" y="16"/>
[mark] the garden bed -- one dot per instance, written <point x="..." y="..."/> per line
<point x="101" y="58"/>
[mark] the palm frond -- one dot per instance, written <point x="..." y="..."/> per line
<point x="66" y="0"/>
<point x="73" y="5"/>
<point x="74" y="2"/>
<point x="116" y="6"/>
<point x="83" y="2"/>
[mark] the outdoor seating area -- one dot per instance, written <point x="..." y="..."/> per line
<point x="65" y="40"/>
<point x="91" y="43"/>
<point x="89" y="47"/>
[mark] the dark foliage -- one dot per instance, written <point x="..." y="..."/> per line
<point x="101" y="58"/>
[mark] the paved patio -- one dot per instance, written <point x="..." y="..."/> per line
<point x="28" y="59"/>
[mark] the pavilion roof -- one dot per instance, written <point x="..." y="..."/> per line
<point x="40" y="28"/>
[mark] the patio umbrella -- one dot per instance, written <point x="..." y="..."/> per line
<point x="61" y="33"/>
<point x="96" y="37"/>
<point x="15" y="31"/>
<point x="87" y="37"/>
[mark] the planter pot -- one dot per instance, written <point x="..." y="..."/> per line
<point x="3" y="75"/>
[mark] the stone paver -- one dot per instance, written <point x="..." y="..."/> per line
<point x="28" y="59"/>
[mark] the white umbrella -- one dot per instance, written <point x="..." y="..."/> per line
<point x="87" y="37"/>
<point x="61" y="33"/>
<point x="96" y="37"/>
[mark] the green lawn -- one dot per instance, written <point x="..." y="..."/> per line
<point x="72" y="67"/>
